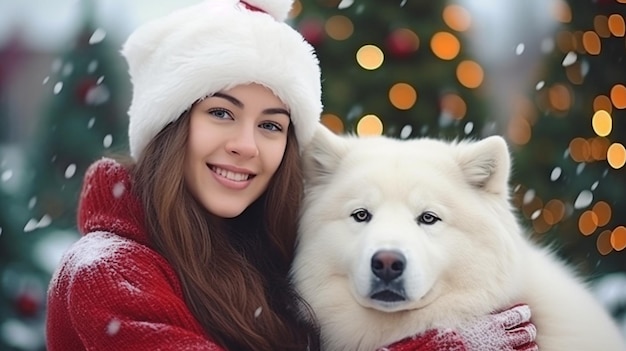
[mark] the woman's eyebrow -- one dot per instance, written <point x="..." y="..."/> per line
<point x="233" y="100"/>
<point x="269" y="111"/>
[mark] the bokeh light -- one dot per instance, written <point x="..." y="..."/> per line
<point x="599" y="147"/>
<point x="296" y="9"/>
<point x="602" y="102"/>
<point x="339" y="27"/>
<point x="519" y="130"/>
<point x="403" y="41"/>
<point x="618" y="238"/>
<point x="616" y="25"/>
<point x="554" y="211"/>
<point x="591" y="42"/>
<point x="370" y="57"/>
<point x="445" y="45"/>
<point x="588" y="222"/>
<point x="457" y="17"/>
<point x="453" y="105"/>
<point x="470" y="74"/>
<point x="618" y="96"/>
<point x="616" y="155"/>
<point x="560" y="97"/>
<point x="333" y="122"/>
<point x="603" y="213"/>
<point x="579" y="150"/>
<point x="601" y="26"/>
<point x="561" y="11"/>
<point x="602" y="123"/>
<point x="603" y="243"/>
<point x="402" y="96"/>
<point x="369" y="125"/>
<point x="565" y="41"/>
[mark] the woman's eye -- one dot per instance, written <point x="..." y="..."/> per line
<point x="361" y="215"/>
<point x="220" y="113"/>
<point x="271" y="126"/>
<point x="428" y="218"/>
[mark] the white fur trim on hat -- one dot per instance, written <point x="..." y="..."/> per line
<point x="212" y="46"/>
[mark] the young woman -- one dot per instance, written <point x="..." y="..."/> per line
<point x="187" y="246"/>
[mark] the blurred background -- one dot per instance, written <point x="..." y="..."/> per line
<point x="548" y="75"/>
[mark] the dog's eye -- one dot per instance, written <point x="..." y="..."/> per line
<point x="428" y="218"/>
<point x="361" y="215"/>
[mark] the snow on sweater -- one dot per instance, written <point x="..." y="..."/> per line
<point x="112" y="291"/>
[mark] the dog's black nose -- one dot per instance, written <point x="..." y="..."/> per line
<point x="388" y="264"/>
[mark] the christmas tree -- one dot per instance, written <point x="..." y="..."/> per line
<point x="547" y="75"/>
<point x="422" y="68"/>
<point x="84" y="118"/>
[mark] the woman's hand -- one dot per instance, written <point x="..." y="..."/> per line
<point x="509" y="330"/>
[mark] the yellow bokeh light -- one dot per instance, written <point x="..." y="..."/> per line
<point x="470" y="74"/>
<point x="602" y="102"/>
<point x="369" y="125"/>
<point x="617" y="25"/>
<point x="402" y="96"/>
<point x="339" y="27"/>
<point x="618" y="96"/>
<point x="445" y="45"/>
<point x="602" y="123"/>
<point x="453" y="105"/>
<point x="587" y="223"/>
<point x="591" y="42"/>
<point x="603" y="213"/>
<point x="603" y="243"/>
<point x="618" y="238"/>
<point x="457" y="17"/>
<point x="370" y="57"/>
<point x="616" y="155"/>
<point x="333" y="123"/>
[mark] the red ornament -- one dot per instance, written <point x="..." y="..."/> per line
<point x="402" y="43"/>
<point x="312" y="30"/>
<point x="27" y="305"/>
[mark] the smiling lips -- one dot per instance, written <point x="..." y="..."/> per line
<point x="230" y="179"/>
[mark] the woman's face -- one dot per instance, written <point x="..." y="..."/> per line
<point x="237" y="140"/>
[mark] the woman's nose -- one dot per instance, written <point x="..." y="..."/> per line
<point x="243" y="143"/>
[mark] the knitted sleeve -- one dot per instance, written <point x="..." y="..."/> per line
<point x="432" y="340"/>
<point x="119" y="295"/>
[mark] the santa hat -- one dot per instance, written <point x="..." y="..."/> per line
<point x="212" y="46"/>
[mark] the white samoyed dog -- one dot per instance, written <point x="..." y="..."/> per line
<point x="400" y="236"/>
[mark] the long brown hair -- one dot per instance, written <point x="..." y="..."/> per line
<point x="233" y="272"/>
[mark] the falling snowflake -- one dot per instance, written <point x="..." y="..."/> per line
<point x="113" y="327"/>
<point x="97" y="36"/>
<point x="583" y="200"/>
<point x="70" y="171"/>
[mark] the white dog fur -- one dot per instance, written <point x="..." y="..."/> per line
<point x="444" y="207"/>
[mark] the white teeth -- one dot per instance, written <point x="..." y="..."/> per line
<point x="238" y="177"/>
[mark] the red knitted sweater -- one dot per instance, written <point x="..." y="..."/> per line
<point x="112" y="291"/>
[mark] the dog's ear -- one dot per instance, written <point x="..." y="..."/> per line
<point x="322" y="155"/>
<point x="486" y="164"/>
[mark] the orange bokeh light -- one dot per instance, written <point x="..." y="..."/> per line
<point x="445" y="45"/>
